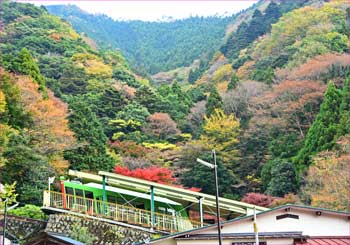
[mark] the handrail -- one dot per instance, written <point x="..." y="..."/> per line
<point x="118" y="212"/>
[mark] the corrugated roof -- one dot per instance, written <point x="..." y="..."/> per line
<point x="171" y="192"/>
<point x="293" y="206"/>
<point x="291" y="234"/>
<point x="134" y="193"/>
<point x="65" y="239"/>
<point x="327" y="241"/>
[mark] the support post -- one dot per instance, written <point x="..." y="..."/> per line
<point x="104" y="196"/>
<point x="64" y="201"/>
<point x="152" y="207"/>
<point x="5" y="223"/>
<point x="201" y="210"/>
<point x="217" y="197"/>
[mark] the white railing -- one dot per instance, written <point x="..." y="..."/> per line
<point x="118" y="212"/>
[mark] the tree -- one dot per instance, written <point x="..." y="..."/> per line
<point x="155" y="174"/>
<point x="233" y="82"/>
<point x="134" y="111"/>
<point x="202" y="177"/>
<point x="344" y="110"/>
<point x="258" y="199"/>
<point x="50" y="131"/>
<point x="220" y="132"/>
<point x="328" y="179"/>
<point x="26" y="65"/>
<point x="29" y="169"/>
<point x="147" y="97"/>
<point x="214" y="101"/>
<point x="7" y="191"/>
<point x="321" y="134"/>
<point x="279" y="177"/>
<point x="161" y="126"/>
<point x="91" y="155"/>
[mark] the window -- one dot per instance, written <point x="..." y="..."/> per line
<point x="111" y="199"/>
<point x="89" y="194"/>
<point x="283" y="216"/>
<point x="69" y="190"/>
<point x="79" y="192"/>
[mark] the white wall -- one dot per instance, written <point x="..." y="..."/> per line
<point x="308" y="223"/>
<point x="284" y="241"/>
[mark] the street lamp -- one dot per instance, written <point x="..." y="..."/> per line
<point x="215" y="167"/>
<point x="4" y="225"/>
<point x="5" y="218"/>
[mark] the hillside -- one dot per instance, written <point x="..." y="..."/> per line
<point x="151" y="47"/>
<point x="276" y="110"/>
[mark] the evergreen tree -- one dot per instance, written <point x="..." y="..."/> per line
<point x="234" y="82"/>
<point x="321" y="134"/>
<point x="25" y="64"/>
<point x="214" y="102"/>
<point x="344" y="111"/>
<point x="91" y="155"/>
<point x="282" y="177"/>
<point x="147" y="97"/>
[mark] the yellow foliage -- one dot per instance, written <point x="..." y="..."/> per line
<point x="93" y="65"/>
<point x="160" y="146"/>
<point x="222" y="74"/>
<point x="5" y="132"/>
<point x="2" y="102"/>
<point x="328" y="180"/>
<point x="221" y="132"/>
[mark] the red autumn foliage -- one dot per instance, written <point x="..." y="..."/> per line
<point x="155" y="174"/>
<point x="258" y="199"/>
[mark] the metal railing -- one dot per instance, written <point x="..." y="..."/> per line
<point x="117" y="212"/>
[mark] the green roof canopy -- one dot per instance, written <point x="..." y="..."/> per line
<point x="186" y="197"/>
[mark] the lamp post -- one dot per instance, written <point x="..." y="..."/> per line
<point x="215" y="167"/>
<point x="4" y="226"/>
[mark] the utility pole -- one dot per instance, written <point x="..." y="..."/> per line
<point x="5" y="223"/>
<point x="215" y="167"/>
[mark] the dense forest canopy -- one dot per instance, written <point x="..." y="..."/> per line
<point x="275" y="109"/>
<point x="150" y="46"/>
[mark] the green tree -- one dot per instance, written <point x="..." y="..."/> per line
<point x="134" y="111"/>
<point x="279" y="177"/>
<point x="344" y="110"/>
<point x="322" y="132"/>
<point x="30" y="170"/>
<point x="234" y="82"/>
<point x="91" y="155"/>
<point x="214" y="102"/>
<point x="25" y="64"/>
<point x="202" y="177"/>
<point x="8" y="191"/>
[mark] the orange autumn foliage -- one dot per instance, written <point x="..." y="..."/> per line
<point x="50" y="134"/>
<point x="290" y="104"/>
<point x="315" y="67"/>
<point x="328" y="180"/>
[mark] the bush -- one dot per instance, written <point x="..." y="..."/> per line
<point x="29" y="211"/>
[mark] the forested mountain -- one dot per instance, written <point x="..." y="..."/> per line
<point x="275" y="109"/>
<point x="150" y="46"/>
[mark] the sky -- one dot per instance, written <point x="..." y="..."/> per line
<point x="155" y="10"/>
